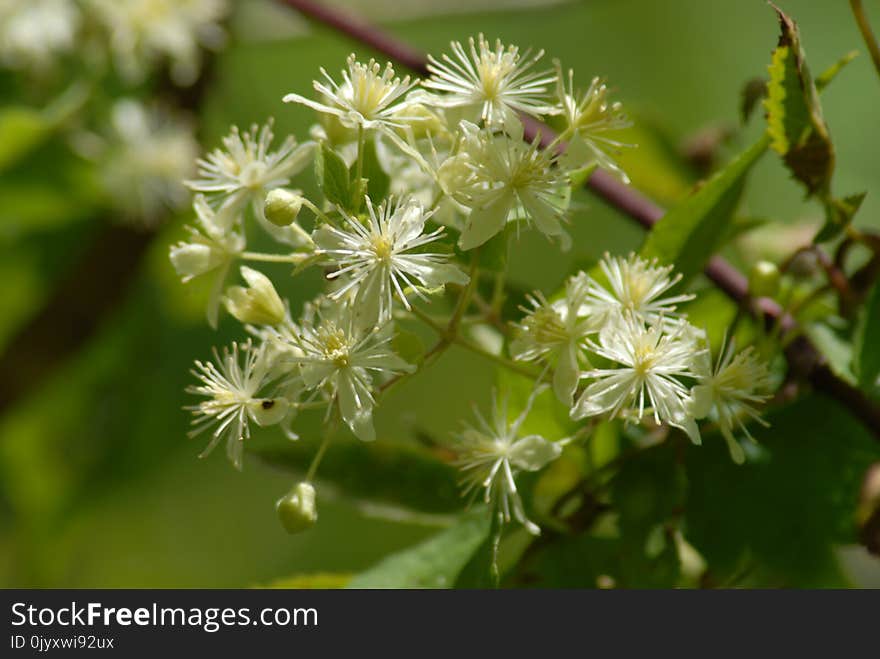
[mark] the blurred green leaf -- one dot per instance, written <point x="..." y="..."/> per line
<point x="795" y="121"/>
<point x="838" y="214"/>
<point x="397" y="473"/>
<point x="436" y="562"/>
<point x="837" y="350"/>
<point x="378" y="181"/>
<point x="790" y="504"/>
<point x="333" y="178"/>
<point x="753" y="91"/>
<point x="21" y="130"/>
<point x="691" y="232"/>
<point x="319" y="580"/>
<point x="408" y="346"/>
<point x="824" y="79"/>
<point x="867" y="343"/>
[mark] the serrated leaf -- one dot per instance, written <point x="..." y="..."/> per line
<point x="405" y="475"/>
<point x="435" y="563"/>
<point x="795" y="122"/>
<point x="333" y="177"/>
<point x="691" y="231"/>
<point x="867" y="343"/>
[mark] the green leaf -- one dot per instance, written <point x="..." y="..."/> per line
<point x="867" y="343"/>
<point x="794" y="500"/>
<point x="795" y="122"/>
<point x="494" y="253"/>
<point x="838" y="214"/>
<point x="21" y="130"/>
<point x="691" y="232"/>
<point x="753" y="91"/>
<point x="436" y="562"/>
<point x="333" y="178"/>
<point x="824" y="79"/>
<point x="378" y="182"/>
<point x="381" y="471"/>
<point x="482" y="570"/>
<point x="319" y="580"/>
<point x="837" y="350"/>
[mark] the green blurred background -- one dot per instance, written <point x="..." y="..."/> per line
<point x="99" y="486"/>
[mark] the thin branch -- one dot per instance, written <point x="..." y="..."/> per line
<point x="803" y="357"/>
<point x="867" y="34"/>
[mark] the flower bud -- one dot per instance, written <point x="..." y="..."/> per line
<point x="764" y="279"/>
<point x="257" y="304"/>
<point x="282" y="207"/>
<point x="297" y="510"/>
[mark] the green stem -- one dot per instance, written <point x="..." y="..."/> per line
<point x="359" y="167"/>
<point x="867" y="34"/>
<point x="317" y="211"/>
<point x="274" y="258"/>
<point x="464" y="299"/>
<point x="472" y="347"/>
<point x="313" y="468"/>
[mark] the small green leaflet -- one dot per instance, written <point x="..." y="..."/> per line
<point x="691" y="232"/>
<point x="333" y="178"/>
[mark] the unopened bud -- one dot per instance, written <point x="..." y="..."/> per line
<point x="297" y="510"/>
<point x="764" y="279"/>
<point x="258" y="304"/>
<point x="282" y="207"/>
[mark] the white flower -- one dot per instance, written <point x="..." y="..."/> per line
<point x="646" y="376"/>
<point x="637" y="285"/>
<point x="33" y="32"/>
<point x="339" y="358"/>
<point x="502" y="178"/>
<point x="143" y="32"/>
<point x="557" y="331"/>
<point x="379" y="259"/>
<point x="730" y="393"/>
<point x="491" y="454"/>
<point x="368" y="96"/>
<point x="246" y="168"/>
<point x="144" y="161"/>
<point x="588" y="117"/>
<point x="213" y="246"/>
<point x="232" y="391"/>
<point x="495" y="83"/>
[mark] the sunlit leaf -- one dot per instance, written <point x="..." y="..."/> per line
<point x="795" y="121"/>
<point x="435" y="563"/>
<point x="691" y="231"/>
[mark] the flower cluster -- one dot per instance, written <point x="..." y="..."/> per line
<point x="637" y="355"/>
<point x="416" y="177"/>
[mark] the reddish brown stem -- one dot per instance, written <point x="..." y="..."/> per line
<point x="803" y="357"/>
